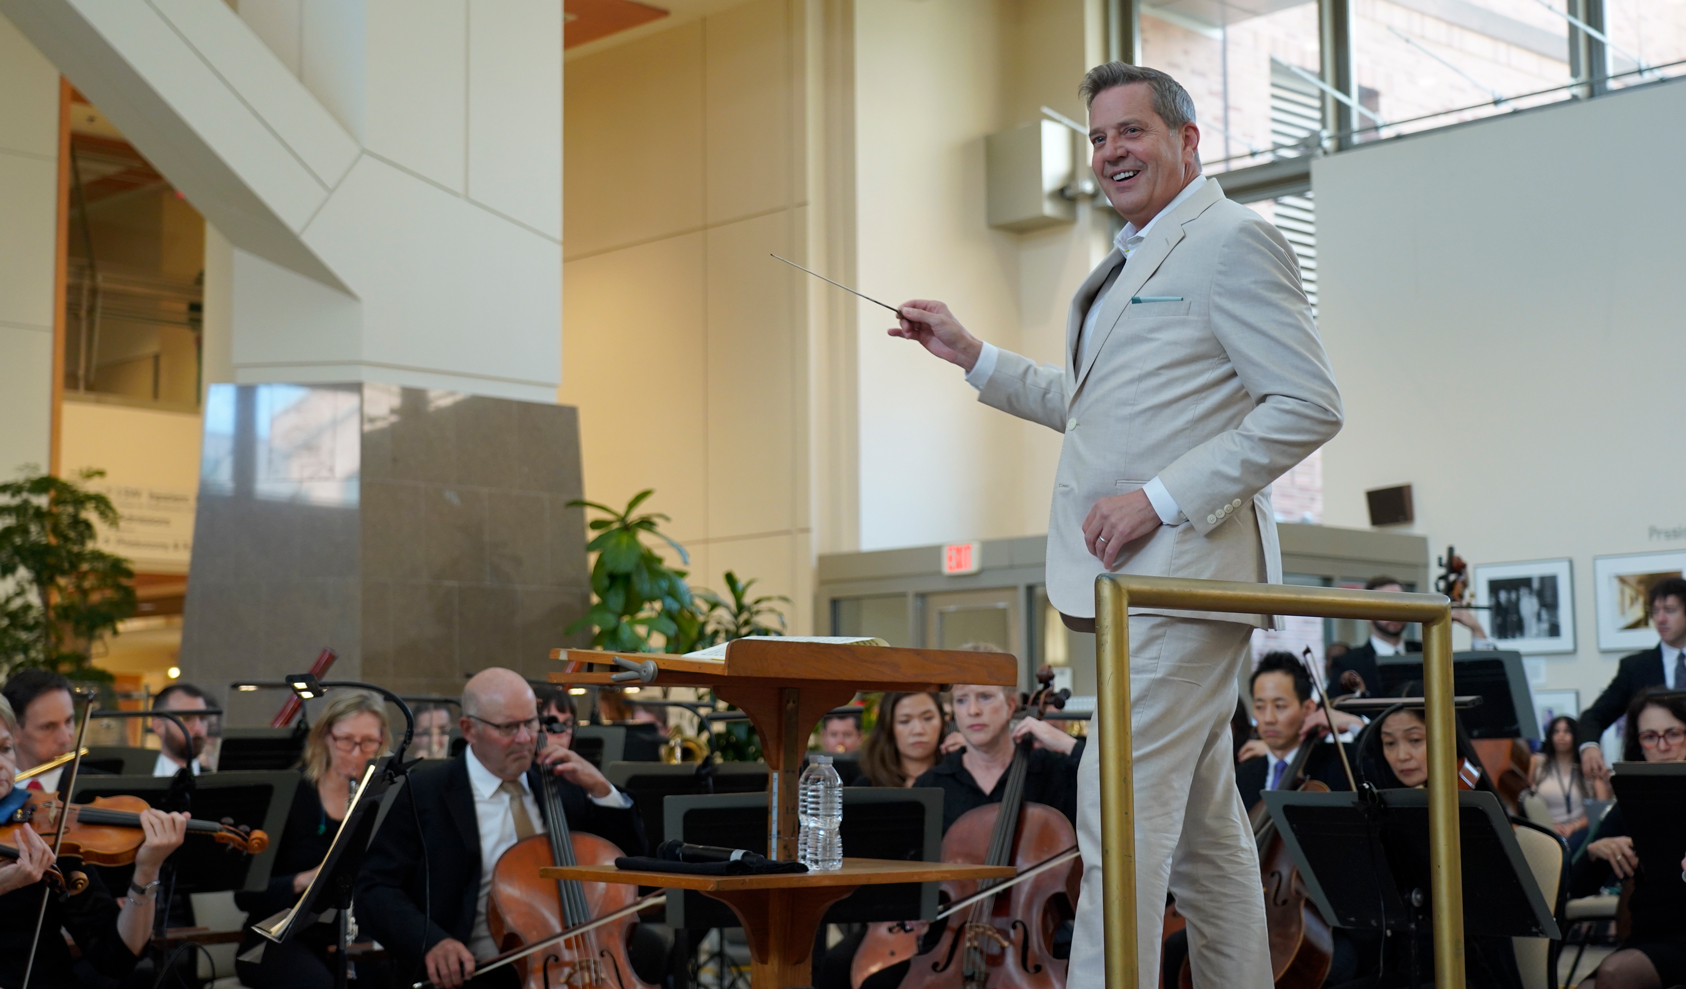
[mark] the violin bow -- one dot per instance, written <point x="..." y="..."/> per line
<point x="1329" y="714"/>
<point x="58" y="835"/>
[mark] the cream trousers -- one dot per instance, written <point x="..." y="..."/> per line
<point x="1192" y="834"/>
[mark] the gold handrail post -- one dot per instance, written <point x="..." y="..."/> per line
<point x="1118" y="820"/>
<point x="1445" y="864"/>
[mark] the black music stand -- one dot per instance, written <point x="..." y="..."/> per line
<point x="878" y="822"/>
<point x="329" y="893"/>
<point x="648" y="784"/>
<point x="1495" y="675"/>
<point x="1364" y="860"/>
<point x="1652" y="796"/>
<point x="259" y="800"/>
<point x="260" y="748"/>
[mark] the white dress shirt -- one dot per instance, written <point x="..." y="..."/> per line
<point x="1127" y="240"/>
<point x="1271" y="762"/>
<point x="166" y="766"/>
<point x="1385" y="648"/>
<point x="49" y="780"/>
<point x="497" y="835"/>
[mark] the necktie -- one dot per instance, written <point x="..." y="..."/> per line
<point x="33" y="785"/>
<point x="1680" y="670"/>
<point x="1276" y="775"/>
<point x="518" y="809"/>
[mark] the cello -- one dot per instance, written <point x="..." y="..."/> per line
<point x="522" y="908"/>
<point x="1004" y="941"/>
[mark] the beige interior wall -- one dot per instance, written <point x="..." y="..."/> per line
<point x="935" y="465"/>
<point x="151" y="463"/>
<point x="685" y="346"/>
<point x="29" y="141"/>
<point x="1512" y="349"/>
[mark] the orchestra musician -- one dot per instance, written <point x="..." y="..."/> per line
<point x="180" y="699"/>
<point x="1556" y="776"/>
<point x="976" y="775"/>
<point x="840" y="734"/>
<point x="109" y="934"/>
<point x="46" y="722"/>
<point x="1396" y="757"/>
<point x="1387" y="638"/>
<point x="904" y="739"/>
<point x="1654" y="953"/>
<point x="350" y="730"/>
<point x="422" y="893"/>
<point x="1282" y="702"/>
<point x="1664" y="664"/>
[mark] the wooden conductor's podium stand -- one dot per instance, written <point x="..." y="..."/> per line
<point x="785" y="687"/>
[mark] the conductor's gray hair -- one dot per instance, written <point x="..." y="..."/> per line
<point x="1170" y="100"/>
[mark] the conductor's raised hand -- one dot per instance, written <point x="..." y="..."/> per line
<point x="930" y="324"/>
<point x="574" y="768"/>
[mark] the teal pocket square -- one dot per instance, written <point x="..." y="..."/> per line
<point x="1156" y="298"/>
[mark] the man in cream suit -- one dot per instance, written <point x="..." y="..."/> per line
<point x="1193" y="378"/>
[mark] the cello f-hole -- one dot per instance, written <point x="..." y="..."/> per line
<point x="953" y="945"/>
<point x="548" y="958"/>
<point x="1024" y="948"/>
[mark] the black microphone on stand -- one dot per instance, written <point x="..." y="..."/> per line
<point x="675" y="850"/>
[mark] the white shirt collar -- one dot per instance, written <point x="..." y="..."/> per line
<point x="166" y="766"/>
<point x="1130" y="238"/>
<point x="483" y="780"/>
<point x="1386" y="648"/>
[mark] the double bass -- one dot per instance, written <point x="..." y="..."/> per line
<point x="522" y="909"/>
<point x="1004" y="941"/>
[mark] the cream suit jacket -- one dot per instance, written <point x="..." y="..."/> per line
<point x="1218" y="395"/>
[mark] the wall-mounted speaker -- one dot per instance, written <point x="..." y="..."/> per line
<point x="1390" y="506"/>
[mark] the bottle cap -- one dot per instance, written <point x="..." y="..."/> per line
<point x="820" y="758"/>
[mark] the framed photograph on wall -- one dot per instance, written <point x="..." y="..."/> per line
<point x="1549" y="704"/>
<point x="1620" y="586"/>
<point x="1530" y="606"/>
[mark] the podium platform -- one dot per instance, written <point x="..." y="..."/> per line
<point x="785" y="687"/>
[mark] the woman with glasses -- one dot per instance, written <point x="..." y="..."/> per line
<point x="350" y="730"/>
<point x="1654" y="953"/>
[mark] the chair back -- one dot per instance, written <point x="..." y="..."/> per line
<point x="1534" y="808"/>
<point x="1548" y="859"/>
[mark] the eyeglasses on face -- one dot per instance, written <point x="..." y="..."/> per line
<point x="509" y="729"/>
<point x="1652" y="739"/>
<point x="346" y="743"/>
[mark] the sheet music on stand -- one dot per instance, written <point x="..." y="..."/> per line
<point x="329" y="892"/>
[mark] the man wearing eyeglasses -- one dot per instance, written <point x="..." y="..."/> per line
<point x="423" y="890"/>
<point x="180" y="699"/>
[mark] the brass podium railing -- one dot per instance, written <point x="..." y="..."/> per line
<point x="1115" y="594"/>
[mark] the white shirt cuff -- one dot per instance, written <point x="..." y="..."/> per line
<point x="985" y="366"/>
<point x="1162" y="501"/>
<point x="1482" y="643"/>
<point x="614" y="799"/>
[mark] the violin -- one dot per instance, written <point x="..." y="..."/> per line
<point x="1005" y="941"/>
<point x="76" y="883"/>
<point x="523" y="909"/>
<point x="107" y="831"/>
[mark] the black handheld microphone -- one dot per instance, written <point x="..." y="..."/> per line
<point x="675" y="850"/>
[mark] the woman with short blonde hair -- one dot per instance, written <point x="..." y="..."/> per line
<point x="342" y="704"/>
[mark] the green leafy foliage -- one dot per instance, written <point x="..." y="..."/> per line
<point x="59" y="593"/>
<point x="637" y="595"/>
<point x="740" y="617"/>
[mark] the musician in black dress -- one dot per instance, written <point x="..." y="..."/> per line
<point x="977" y="774"/>
<point x="350" y="730"/>
<point x="1654" y="953"/>
<point x="109" y="934"/>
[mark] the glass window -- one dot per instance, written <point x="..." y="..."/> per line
<point x="1238" y="63"/>
<point x="1648" y="33"/>
<point x="1429" y="63"/>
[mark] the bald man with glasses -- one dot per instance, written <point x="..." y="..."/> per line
<point x="464" y="814"/>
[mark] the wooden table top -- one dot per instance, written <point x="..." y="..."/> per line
<point x="855" y="872"/>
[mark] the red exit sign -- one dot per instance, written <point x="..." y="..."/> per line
<point x="960" y="559"/>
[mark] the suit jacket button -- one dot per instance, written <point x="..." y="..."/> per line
<point x="1211" y="520"/>
<point x="1070" y="424"/>
<point x="1236" y="503"/>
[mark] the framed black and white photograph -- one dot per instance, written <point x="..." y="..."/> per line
<point x="1548" y="704"/>
<point x="1621" y="585"/>
<point x="1530" y="607"/>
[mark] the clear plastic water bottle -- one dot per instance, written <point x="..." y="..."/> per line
<point x="819" y="807"/>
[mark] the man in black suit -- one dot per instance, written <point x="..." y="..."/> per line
<point x="422" y="892"/>
<point x="1388" y="639"/>
<point x="1282" y="701"/>
<point x="1664" y="664"/>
